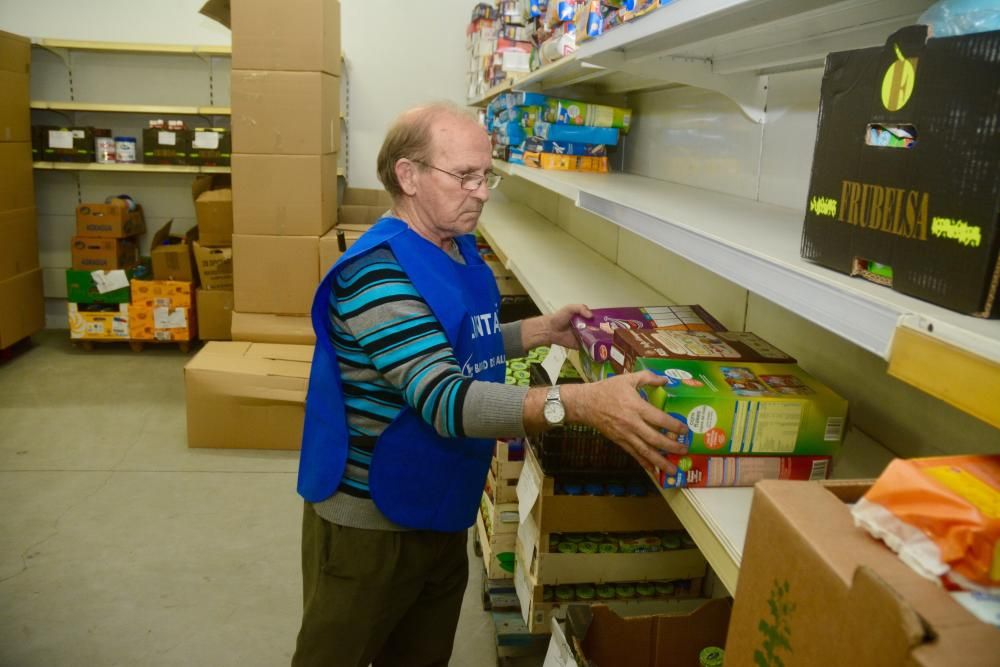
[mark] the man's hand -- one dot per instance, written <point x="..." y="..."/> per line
<point x="556" y="328"/>
<point x="614" y="408"/>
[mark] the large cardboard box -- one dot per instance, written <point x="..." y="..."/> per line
<point x="215" y="314"/>
<point x="289" y="113"/>
<point x="22" y="307"/>
<point x="833" y="595"/>
<point x="17" y="187"/>
<point x="172" y="259"/>
<point x="18" y="242"/>
<point x="102" y="322"/>
<point x="931" y="212"/>
<point x="104" y="254"/>
<point x="361" y="207"/>
<point x="215" y="266"/>
<point x="112" y="220"/>
<point x="247" y="395"/>
<point x="267" y="328"/>
<point x="81" y="288"/>
<point x="275" y="274"/>
<point x="158" y="293"/>
<point x="213" y="205"/>
<point x="306" y="36"/>
<point x="334" y="244"/>
<point x="15" y="53"/>
<point x="15" y="114"/>
<point x="284" y="195"/>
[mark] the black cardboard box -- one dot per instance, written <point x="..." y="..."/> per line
<point x="165" y="146"/>
<point x="930" y="211"/>
<point x="67" y="144"/>
<point x="211" y="147"/>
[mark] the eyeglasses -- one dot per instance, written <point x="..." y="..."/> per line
<point x="470" y="182"/>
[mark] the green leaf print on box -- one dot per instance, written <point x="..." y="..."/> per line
<point x="777" y="634"/>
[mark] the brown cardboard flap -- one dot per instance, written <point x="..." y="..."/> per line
<point x="217" y="10"/>
<point x="162" y="234"/>
<point x="875" y="609"/>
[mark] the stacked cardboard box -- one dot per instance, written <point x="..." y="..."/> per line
<point x="359" y="209"/>
<point x="285" y="91"/>
<point x="213" y="256"/>
<point x="22" y="307"/>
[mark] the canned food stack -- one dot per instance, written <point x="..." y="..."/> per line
<point x="22" y="306"/>
<point x="285" y="96"/>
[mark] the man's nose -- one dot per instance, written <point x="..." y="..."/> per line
<point x="482" y="193"/>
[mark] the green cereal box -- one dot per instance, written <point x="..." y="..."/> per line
<point x="749" y="408"/>
<point x="574" y="112"/>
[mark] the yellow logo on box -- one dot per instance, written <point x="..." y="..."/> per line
<point x="898" y="82"/>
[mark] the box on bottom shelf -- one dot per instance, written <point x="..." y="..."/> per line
<point x="98" y="321"/>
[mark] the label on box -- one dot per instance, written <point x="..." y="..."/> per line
<point x="119" y="327"/>
<point x="60" y="139"/>
<point x="206" y="140"/>
<point x="79" y="134"/>
<point x="166" y="138"/>
<point x="165" y="318"/>
<point x="109" y="281"/>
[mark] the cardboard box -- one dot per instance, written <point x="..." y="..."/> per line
<point x="105" y="254"/>
<point x="162" y="323"/>
<point x="159" y="293"/>
<point x="68" y="144"/>
<point x="213" y="205"/>
<point x="17" y="187"/>
<point x="15" y="53"/>
<point x="267" y="328"/>
<point x="306" y="38"/>
<point x="98" y="322"/>
<point x="15" y="113"/>
<point x="112" y="220"/>
<point x="211" y="147"/>
<point x="275" y="274"/>
<point x="289" y="113"/>
<point x="215" y="266"/>
<point x="628" y="345"/>
<point x="607" y="638"/>
<point x="749" y="408"/>
<point x="930" y="212"/>
<point x="165" y="146"/>
<point x="215" y="314"/>
<point x="18" y="241"/>
<point x="171" y="254"/>
<point x="247" y="395"/>
<point x="81" y="288"/>
<point x="285" y="195"/>
<point x="362" y="207"/>
<point x="832" y="595"/>
<point x="498" y="552"/>
<point x="22" y="307"/>
<point x="332" y="245"/>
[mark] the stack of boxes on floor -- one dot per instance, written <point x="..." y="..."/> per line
<point x="213" y="255"/>
<point x="285" y="91"/>
<point x="553" y="133"/>
<point x="752" y="413"/>
<point x="22" y="306"/>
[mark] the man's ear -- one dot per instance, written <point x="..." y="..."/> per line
<point x="406" y="174"/>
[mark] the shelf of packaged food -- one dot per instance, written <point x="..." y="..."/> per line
<point x="554" y="267"/>
<point x="131" y="166"/>
<point x="127" y="47"/>
<point x="756" y="245"/>
<point x="485" y="98"/>
<point x="132" y="108"/>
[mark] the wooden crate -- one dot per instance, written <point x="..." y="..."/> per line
<point x="492" y="546"/>
<point x="502" y="466"/>
<point x="502" y="490"/>
<point x="499" y="518"/>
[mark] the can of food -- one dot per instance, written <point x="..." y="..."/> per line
<point x="567" y="548"/>
<point x="565" y="593"/>
<point x="664" y="588"/>
<point x="585" y="591"/>
<point x="607" y="548"/>
<point x="606" y="591"/>
<point x="625" y="591"/>
<point x="125" y="149"/>
<point x="645" y="590"/>
<point x="671" y="541"/>
<point x="711" y="656"/>
<point x="587" y="548"/>
<point x="104" y="149"/>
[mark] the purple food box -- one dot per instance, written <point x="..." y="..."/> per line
<point x="597" y="333"/>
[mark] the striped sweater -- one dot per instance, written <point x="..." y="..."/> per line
<point x="393" y="352"/>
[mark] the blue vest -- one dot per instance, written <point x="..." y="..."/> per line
<point x="417" y="478"/>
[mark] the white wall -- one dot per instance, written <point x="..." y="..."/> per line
<point x="151" y="21"/>
<point x="399" y="55"/>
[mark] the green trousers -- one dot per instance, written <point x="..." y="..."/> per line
<point x="387" y="598"/>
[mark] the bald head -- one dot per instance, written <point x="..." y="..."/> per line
<point x="419" y="134"/>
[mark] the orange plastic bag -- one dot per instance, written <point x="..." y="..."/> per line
<point x="942" y="515"/>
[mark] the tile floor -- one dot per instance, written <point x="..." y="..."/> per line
<point x="121" y="546"/>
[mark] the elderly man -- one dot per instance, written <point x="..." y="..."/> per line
<point x="406" y="399"/>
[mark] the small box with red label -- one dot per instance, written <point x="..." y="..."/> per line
<point x="749" y="408"/>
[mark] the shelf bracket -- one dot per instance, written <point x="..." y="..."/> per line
<point x="748" y="91"/>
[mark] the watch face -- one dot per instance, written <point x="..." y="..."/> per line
<point x="554" y="412"/>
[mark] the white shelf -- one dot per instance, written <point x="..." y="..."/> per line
<point x="756" y="246"/>
<point x="131" y="108"/>
<point x="555" y="268"/>
<point x="133" y="166"/>
<point x="126" y="47"/>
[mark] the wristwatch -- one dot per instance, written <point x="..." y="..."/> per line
<point x="554" y="411"/>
